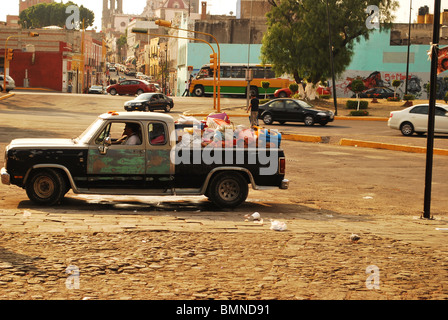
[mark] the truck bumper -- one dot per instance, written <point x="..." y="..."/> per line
<point x="6" y="179"/>
<point x="284" y="184"/>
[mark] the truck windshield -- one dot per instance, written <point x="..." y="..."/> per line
<point x="87" y="135"/>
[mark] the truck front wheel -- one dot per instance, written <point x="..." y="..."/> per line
<point x="46" y="187"/>
<point x="228" y="189"/>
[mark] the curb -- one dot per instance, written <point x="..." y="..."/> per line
<point x="9" y="95"/>
<point x="34" y="89"/>
<point x="388" y="146"/>
<point x="207" y="114"/>
<point x="305" y="138"/>
<point x="362" y="118"/>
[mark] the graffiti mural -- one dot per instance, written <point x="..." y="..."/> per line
<point x="417" y="83"/>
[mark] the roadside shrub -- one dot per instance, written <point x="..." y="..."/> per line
<point x="359" y="113"/>
<point x="294" y="87"/>
<point x="325" y="96"/>
<point x="393" y="99"/>
<point x="408" y="97"/>
<point x="352" y="104"/>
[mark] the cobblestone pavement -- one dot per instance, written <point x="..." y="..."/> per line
<point x="203" y="255"/>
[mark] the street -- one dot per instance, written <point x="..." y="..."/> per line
<point x="184" y="248"/>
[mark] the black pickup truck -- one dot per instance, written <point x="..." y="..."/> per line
<point x="158" y="163"/>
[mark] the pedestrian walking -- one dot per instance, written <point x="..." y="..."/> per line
<point x="187" y="90"/>
<point x="253" y="107"/>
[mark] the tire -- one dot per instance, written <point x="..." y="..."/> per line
<point x="407" y="129"/>
<point x="267" y="119"/>
<point x="282" y="95"/>
<point x="198" y="91"/>
<point x="308" y="120"/>
<point x="139" y="92"/>
<point x="228" y="189"/>
<point x="46" y="187"/>
<point x="167" y="108"/>
<point x="113" y="92"/>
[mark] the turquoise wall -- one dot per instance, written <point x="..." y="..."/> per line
<point x="369" y="55"/>
<point x="374" y="56"/>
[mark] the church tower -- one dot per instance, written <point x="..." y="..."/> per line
<point x="110" y="8"/>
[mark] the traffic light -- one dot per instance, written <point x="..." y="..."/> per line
<point x="10" y="54"/>
<point x="213" y="61"/>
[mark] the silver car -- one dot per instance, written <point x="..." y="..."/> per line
<point x="10" y="83"/>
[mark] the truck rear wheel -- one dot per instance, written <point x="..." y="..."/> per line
<point x="46" y="187"/>
<point x="228" y="189"/>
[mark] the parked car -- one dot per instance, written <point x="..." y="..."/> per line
<point x="96" y="89"/>
<point x="10" y="83"/>
<point x="133" y="87"/>
<point x="415" y="119"/>
<point x="282" y="93"/>
<point x="293" y="110"/>
<point x="150" y="102"/>
<point x="130" y="73"/>
<point x="378" y="92"/>
<point x="286" y="92"/>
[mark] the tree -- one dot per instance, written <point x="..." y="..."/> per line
<point x="358" y="87"/>
<point x="53" y="14"/>
<point x="396" y="84"/>
<point x="121" y="44"/>
<point x="296" y="41"/>
<point x="265" y="85"/>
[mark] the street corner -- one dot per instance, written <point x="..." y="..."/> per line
<point x="4" y="96"/>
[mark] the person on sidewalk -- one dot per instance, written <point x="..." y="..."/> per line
<point x="253" y="107"/>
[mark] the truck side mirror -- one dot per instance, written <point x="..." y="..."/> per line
<point x="107" y="142"/>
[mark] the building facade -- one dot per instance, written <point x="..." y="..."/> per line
<point x="59" y="60"/>
<point x="25" y="4"/>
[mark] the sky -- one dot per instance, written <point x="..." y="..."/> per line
<point x="11" y="7"/>
<point x="213" y="6"/>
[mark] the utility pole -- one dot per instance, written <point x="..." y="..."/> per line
<point x="432" y="108"/>
<point x="409" y="45"/>
<point x="332" y="63"/>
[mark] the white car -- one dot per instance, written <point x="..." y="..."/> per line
<point x="10" y="83"/>
<point x="415" y="119"/>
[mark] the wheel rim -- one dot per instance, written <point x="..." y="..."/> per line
<point x="267" y="119"/>
<point x="309" y="120"/>
<point x="406" y="129"/>
<point x="44" y="187"/>
<point x="229" y="190"/>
